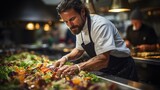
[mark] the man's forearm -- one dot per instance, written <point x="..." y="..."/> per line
<point x="74" y="54"/>
<point x="147" y="47"/>
<point x="95" y="63"/>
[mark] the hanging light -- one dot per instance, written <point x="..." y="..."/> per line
<point x="119" y="6"/>
<point x="89" y="4"/>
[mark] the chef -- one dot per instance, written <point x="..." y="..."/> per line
<point x="99" y="38"/>
<point x="139" y="35"/>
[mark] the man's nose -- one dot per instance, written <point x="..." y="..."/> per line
<point x="70" y="24"/>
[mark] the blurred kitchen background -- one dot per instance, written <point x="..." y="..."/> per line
<point x="35" y="24"/>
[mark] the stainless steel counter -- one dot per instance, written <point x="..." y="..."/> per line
<point x="148" y="70"/>
<point x="147" y="61"/>
<point x="124" y="84"/>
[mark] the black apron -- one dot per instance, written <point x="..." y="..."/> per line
<point x="121" y="67"/>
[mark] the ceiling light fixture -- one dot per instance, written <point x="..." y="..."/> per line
<point x="119" y="6"/>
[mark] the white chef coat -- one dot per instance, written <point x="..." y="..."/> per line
<point x="105" y="37"/>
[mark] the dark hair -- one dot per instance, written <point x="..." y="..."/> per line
<point x="77" y="5"/>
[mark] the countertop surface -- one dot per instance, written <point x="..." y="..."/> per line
<point x="125" y="84"/>
<point x="147" y="60"/>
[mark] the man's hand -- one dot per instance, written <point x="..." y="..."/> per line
<point x="67" y="70"/>
<point x="128" y="44"/>
<point x="146" y="47"/>
<point x="59" y="63"/>
<point x="141" y="47"/>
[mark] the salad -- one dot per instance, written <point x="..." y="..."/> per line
<point x="29" y="71"/>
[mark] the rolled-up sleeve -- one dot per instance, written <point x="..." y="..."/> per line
<point x="104" y="38"/>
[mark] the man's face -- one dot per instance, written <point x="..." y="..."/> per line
<point x="136" y="24"/>
<point x="74" y="20"/>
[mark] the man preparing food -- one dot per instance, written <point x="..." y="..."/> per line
<point x="99" y="38"/>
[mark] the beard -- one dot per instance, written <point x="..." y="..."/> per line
<point x="76" y="29"/>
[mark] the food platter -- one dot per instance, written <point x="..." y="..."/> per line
<point x="29" y="71"/>
<point x="147" y="55"/>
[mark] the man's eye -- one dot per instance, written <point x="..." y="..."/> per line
<point x="72" y="18"/>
